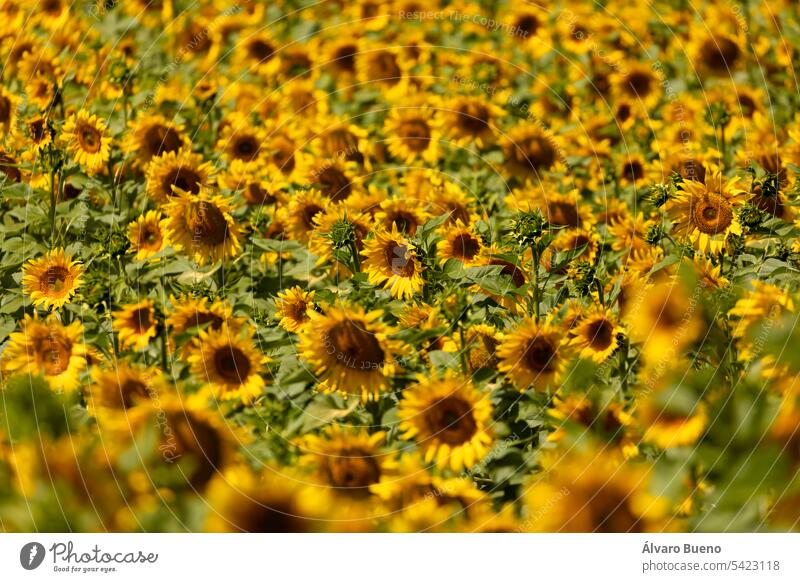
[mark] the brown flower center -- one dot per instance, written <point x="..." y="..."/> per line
<point x="560" y="213"/>
<point x="55" y="352"/>
<point x="399" y="259"/>
<point x="185" y="434"/>
<point x="232" y="364"/>
<point x="416" y="134"/>
<point x="89" y="138"/>
<point x="5" y="110"/>
<point x="540" y="354"/>
<point x="334" y="183"/>
<point x="245" y="147"/>
<point x="161" y="139"/>
<point x="600" y="334"/>
<point x="465" y="246"/>
<point x="131" y="392"/>
<point x="354" y="347"/>
<point x="344" y="58"/>
<point x="260" y="50"/>
<point x="639" y="83"/>
<point x="719" y="54"/>
<point x="56" y="280"/>
<point x="209" y="224"/>
<point x="184" y="178"/>
<point x="712" y="214"/>
<point x="451" y="420"/>
<point x="353" y="470"/>
<point x="141" y="319"/>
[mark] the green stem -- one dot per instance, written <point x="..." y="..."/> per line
<point x="356" y="258"/>
<point x="535" y="258"/>
<point x="52" y="208"/>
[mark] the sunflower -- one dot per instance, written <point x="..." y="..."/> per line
<point x="667" y="427"/>
<point x="136" y="324"/>
<point x="591" y="491"/>
<point x="242" y="141"/>
<point x="756" y="311"/>
<point x="350" y="351"/>
<point x="40" y="132"/>
<point x="147" y="235"/>
<point x="578" y="414"/>
<point x="257" y="52"/>
<point x="480" y="344"/>
<point x="336" y="178"/>
<point x="470" y="119"/>
<point x="460" y="242"/>
<point x="152" y="136"/>
<point x="530" y="150"/>
<point x="346" y="459"/>
<point x="663" y="318"/>
<point x="382" y="66"/>
<point x="412" y="134"/>
<point x="8" y="112"/>
<point x="532" y="355"/>
<point x="292" y="307"/>
<point x="53" y="279"/>
<point x="201" y="225"/>
<point x="705" y="212"/>
<point x="190" y="313"/>
<point x="272" y="502"/>
<point x="390" y="260"/>
<point x="406" y="214"/>
<point x="88" y="140"/>
<point x="229" y="363"/>
<point x="49" y="348"/>
<point x="182" y="169"/>
<point x="448" y="419"/>
<point x="596" y="335"/>
<point x="302" y="210"/>
<point x="121" y="397"/>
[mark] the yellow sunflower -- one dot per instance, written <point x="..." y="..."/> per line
<point x="292" y="308"/>
<point x="52" y="280"/>
<point x="596" y="335"/>
<point x="705" y="212"/>
<point x="49" y="348"/>
<point x="346" y="459"/>
<point x="136" y="324"/>
<point x="412" y="134"/>
<point x="448" y="418"/>
<point x="667" y="427"/>
<point x="301" y="212"/>
<point x="229" y="363"/>
<point x="533" y="355"/>
<point x="592" y="491"/>
<point x="273" y="502"/>
<point x="88" y="140"/>
<point x="350" y="351"/>
<point x="406" y="214"/>
<point x="151" y="136"/>
<point x="181" y="169"/>
<point x="462" y="243"/>
<point x="147" y="235"/>
<point x="530" y="150"/>
<point x="121" y="396"/>
<point x="201" y="225"/>
<point x="471" y="119"/>
<point x="390" y="261"/>
<point x="189" y="313"/>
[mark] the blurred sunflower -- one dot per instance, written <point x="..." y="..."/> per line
<point x="136" y="324"/>
<point x="596" y="335"/>
<point x="448" y="419"/>
<point x="47" y="347"/>
<point x="460" y="242"/>
<point x="152" y="136"/>
<point x="181" y="169"/>
<point x="53" y="279"/>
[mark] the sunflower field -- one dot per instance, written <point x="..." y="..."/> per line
<point x="399" y="266"/>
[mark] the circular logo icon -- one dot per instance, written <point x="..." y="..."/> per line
<point x="31" y="555"/>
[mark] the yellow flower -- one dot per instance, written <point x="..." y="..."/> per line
<point x="448" y="419"/>
<point x="412" y="134"/>
<point x="705" y="212"/>
<point x="122" y="396"/>
<point x="390" y="261"/>
<point x="147" y="235"/>
<point x="588" y="491"/>
<point x="201" y="225"/>
<point x="152" y="136"/>
<point x="667" y="428"/>
<point x="181" y="169"/>
<point x="88" y="140"/>
<point x="49" y="348"/>
<point x="228" y="363"/>
<point x="350" y="350"/>
<point x="532" y="355"/>
<point x="292" y="308"/>
<point x="462" y="243"/>
<point x="596" y="335"/>
<point x="52" y="280"/>
<point x="136" y="324"/>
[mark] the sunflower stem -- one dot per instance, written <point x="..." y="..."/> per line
<point x="535" y="266"/>
<point x="463" y="351"/>
<point x="356" y="259"/>
<point x="600" y="295"/>
<point x="52" y="208"/>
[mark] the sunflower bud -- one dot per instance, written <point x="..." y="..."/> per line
<point x="528" y="227"/>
